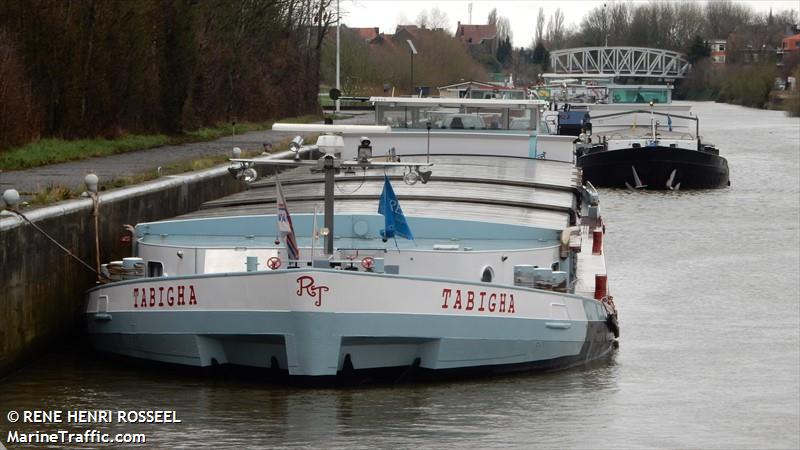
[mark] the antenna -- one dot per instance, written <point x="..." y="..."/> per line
<point x="428" y="126"/>
<point x="469" y="9"/>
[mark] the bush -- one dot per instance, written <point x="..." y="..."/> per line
<point x="748" y="85"/>
<point x="793" y="105"/>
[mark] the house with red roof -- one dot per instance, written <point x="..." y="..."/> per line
<point x="367" y="34"/>
<point x="478" y="38"/>
<point x="791" y="43"/>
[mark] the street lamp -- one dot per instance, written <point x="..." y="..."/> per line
<point x="338" y="85"/>
<point x="413" y="52"/>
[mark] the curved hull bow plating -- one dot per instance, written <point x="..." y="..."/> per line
<point x="658" y="168"/>
<point x="325" y="322"/>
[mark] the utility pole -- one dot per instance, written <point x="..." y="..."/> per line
<point x="338" y="84"/>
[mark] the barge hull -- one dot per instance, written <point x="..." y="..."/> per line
<point x="654" y="166"/>
<point x="274" y="324"/>
<point x="329" y="353"/>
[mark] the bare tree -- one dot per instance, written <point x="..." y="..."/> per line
<point x="503" y="25"/>
<point x="438" y="19"/>
<point x="20" y="119"/>
<point x="593" y="27"/>
<point x="618" y="22"/>
<point x="540" y="26"/>
<point x="724" y="16"/>
<point x="638" y="32"/>
<point x="504" y="29"/>
<point x="422" y="19"/>
<point x="608" y="24"/>
<point x="555" y="29"/>
<point x="689" y="22"/>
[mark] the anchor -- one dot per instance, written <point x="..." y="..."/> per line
<point x="636" y="180"/>
<point x="671" y="179"/>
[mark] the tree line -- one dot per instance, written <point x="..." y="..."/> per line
<point x="380" y="67"/>
<point x="751" y="39"/>
<point x="86" y="68"/>
<point x="669" y="25"/>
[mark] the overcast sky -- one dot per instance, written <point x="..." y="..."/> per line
<point x="387" y="14"/>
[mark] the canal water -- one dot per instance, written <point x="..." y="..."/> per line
<point x="707" y="285"/>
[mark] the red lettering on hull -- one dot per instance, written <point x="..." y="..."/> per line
<point x="502" y="302"/>
<point x="457" y="304"/>
<point x="446" y="295"/>
<point x="147" y="297"/>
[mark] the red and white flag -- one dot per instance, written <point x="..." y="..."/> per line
<point x="285" y="225"/>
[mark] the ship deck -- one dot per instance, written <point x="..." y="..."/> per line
<point x="372" y="242"/>
<point x="513" y="191"/>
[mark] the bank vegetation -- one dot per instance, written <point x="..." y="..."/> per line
<point x="751" y="39"/>
<point x="378" y="69"/>
<point x="747" y="77"/>
<point x="105" y="69"/>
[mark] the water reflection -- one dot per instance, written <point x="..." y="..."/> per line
<point x="235" y="413"/>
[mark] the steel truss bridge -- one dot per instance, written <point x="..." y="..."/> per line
<point x="620" y="62"/>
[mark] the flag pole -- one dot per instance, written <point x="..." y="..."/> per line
<point x="314" y="233"/>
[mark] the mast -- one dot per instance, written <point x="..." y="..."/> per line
<point x="652" y="121"/>
<point x="330" y="172"/>
<point x="329" y="144"/>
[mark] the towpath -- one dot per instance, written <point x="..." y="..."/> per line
<point x="71" y="174"/>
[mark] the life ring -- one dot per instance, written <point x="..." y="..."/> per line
<point x="368" y="262"/>
<point x="274" y="262"/>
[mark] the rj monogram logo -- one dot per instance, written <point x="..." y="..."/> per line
<point x="306" y="285"/>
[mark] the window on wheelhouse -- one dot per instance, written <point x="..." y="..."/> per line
<point x="461" y="117"/>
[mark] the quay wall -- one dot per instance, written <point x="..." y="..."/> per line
<point x="42" y="288"/>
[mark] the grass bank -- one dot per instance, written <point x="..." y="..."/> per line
<point x="52" y="151"/>
<point x="57" y="193"/>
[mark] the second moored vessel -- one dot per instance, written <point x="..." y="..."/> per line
<point x="665" y="154"/>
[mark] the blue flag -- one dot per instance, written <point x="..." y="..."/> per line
<point x="395" y="222"/>
<point x="669" y="122"/>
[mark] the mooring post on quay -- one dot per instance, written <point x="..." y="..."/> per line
<point x="11" y="204"/>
